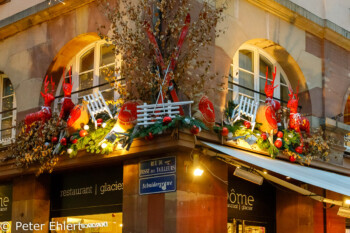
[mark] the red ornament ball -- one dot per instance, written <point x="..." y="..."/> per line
<point x="63" y="141"/>
<point x="280" y="134"/>
<point x="73" y="140"/>
<point x="247" y="124"/>
<point x="264" y="136"/>
<point x="224" y="131"/>
<point x="292" y="159"/>
<point x="299" y="149"/>
<point x="278" y="143"/>
<point x="195" y="130"/>
<point x="99" y="121"/>
<point x="83" y="133"/>
<point x="54" y="139"/>
<point x="149" y="136"/>
<point x="167" y="120"/>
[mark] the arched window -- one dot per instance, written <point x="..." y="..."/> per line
<point x="249" y="70"/>
<point x="90" y="67"/>
<point x="8" y="109"/>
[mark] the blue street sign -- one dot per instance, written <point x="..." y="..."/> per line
<point x="158" y="166"/>
<point x="158" y="184"/>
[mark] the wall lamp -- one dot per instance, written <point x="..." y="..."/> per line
<point x="197" y="169"/>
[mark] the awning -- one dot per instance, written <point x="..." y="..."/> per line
<point x="323" y="179"/>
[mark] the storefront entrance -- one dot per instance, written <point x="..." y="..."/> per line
<point x="87" y="201"/>
<point x="251" y="207"/>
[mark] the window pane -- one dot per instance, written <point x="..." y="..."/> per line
<point x="106" y="74"/>
<point x="107" y="54"/>
<point x="6" y="124"/>
<point x="85" y="81"/>
<point x="246" y="60"/>
<point x="262" y="88"/>
<point x="262" y="67"/>
<point x="7" y="103"/>
<point x="284" y="93"/>
<point x="246" y="80"/>
<point x="282" y="80"/>
<point x="7" y="88"/>
<point x="87" y="61"/>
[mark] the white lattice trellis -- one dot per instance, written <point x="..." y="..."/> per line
<point x="149" y="114"/>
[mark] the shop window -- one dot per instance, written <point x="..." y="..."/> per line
<point x="248" y="71"/>
<point x="8" y="110"/>
<point x="98" y="223"/>
<point x="91" y="69"/>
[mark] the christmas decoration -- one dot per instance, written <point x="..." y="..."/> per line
<point x="63" y="141"/>
<point x="67" y="104"/>
<point x="195" y="130"/>
<point x="54" y="139"/>
<point x="167" y="71"/>
<point x="96" y="105"/>
<point x="264" y="136"/>
<point x="296" y="121"/>
<point x="78" y="117"/>
<point x="70" y="151"/>
<point x="45" y="113"/>
<point x="247" y="124"/>
<point x="204" y="111"/>
<point x="269" y="90"/>
<point x="149" y="136"/>
<point x="83" y="133"/>
<point x="299" y="149"/>
<point x="127" y="117"/>
<point x="280" y="134"/>
<point x="292" y="158"/>
<point x="166" y="120"/>
<point x="245" y="110"/>
<point x="278" y="143"/>
<point x="99" y="122"/>
<point x="224" y="131"/>
<point x="267" y="112"/>
<point x="31" y="147"/>
<point x="166" y="30"/>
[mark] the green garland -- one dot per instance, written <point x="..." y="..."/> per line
<point x="179" y="122"/>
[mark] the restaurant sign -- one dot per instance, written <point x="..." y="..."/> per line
<point x="89" y="191"/>
<point x="249" y="201"/>
<point x="5" y="202"/>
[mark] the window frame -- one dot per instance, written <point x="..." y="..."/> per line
<point x="257" y="52"/>
<point x="75" y="64"/>
<point x="7" y="141"/>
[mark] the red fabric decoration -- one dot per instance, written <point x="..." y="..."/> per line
<point x="78" y="117"/>
<point x="67" y="104"/>
<point x="296" y="121"/>
<point x="45" y="113"/>
<point x="205" y="111"/>
<point x="127" y="117"/>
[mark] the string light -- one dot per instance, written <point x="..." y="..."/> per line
<point x="86" y="127"/>
<point x="57" y="1"/>
<point x="104" y="145"/>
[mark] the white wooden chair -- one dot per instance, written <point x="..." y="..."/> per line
<point x="245" y="110"/>
<point x="96" y="104"/>
<point x="149" y="114"/>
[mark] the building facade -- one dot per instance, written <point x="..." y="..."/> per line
<point x="307" y="41"/>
